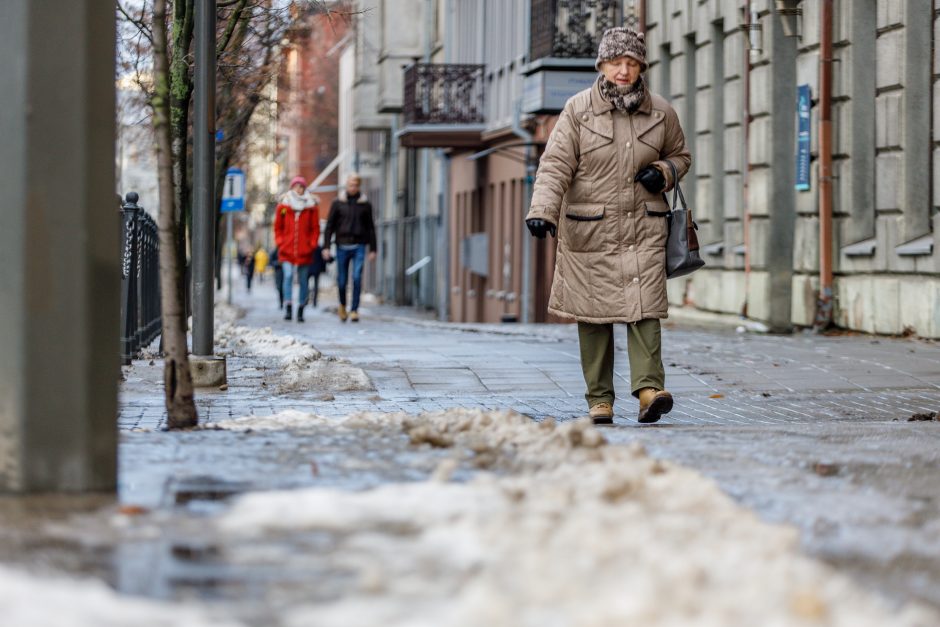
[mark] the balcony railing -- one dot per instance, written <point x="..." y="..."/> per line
<point x="570" y="29"/>
<point x="443" y="94"/>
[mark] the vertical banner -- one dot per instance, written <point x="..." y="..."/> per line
<point x="803" y="106"/>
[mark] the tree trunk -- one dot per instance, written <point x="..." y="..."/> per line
<point x="181" y="92"/>
<point x="177" y="378"/>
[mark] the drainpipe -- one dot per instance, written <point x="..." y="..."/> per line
<point x="824" y="302"/>
<point x="424" y="172"/>
<point x="750" y="16"/>
<point x="394" y="215"/>
<point x="443" y="235"/>
<point x="525" y="301"/>
<point x="641" y="15"/>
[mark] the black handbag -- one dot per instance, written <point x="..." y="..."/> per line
<point x="682" y="256"/>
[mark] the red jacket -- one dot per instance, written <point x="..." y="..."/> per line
<point x="296" y="228"/>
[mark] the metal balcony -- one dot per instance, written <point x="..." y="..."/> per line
<point x="563" y="45"/>
<point x="570" y="29"/>
<point x="443" y="106"/>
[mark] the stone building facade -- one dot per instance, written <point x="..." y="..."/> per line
<point x="760" y="234"/>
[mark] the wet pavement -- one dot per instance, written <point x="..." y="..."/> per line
<point x="805" y="430"/>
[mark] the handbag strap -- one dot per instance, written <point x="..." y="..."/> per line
<point x="676" y="189"/>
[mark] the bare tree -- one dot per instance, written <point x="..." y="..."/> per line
<point x="156" y="48"/>
<point x="177" y="378"/>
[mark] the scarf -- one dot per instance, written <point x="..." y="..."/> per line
<point x="626" y="98"/>
<point x="298" y="202"/>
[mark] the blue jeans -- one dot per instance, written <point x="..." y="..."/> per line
<point x="302" y="271"/>
<point x="345" y="254"/>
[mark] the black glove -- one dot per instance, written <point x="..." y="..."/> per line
<point x="652" y="179"/>
<point x="539" y="228"/>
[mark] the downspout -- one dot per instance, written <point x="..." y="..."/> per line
<point x="443" y="236"/>
<point x="824" y="302"/>
<point x="525" y="304"/>
<point x="394" y="216"/>
<point x="424" y="172"/>
<point x="525" y="298"/>
<point x="750" y="16"/>
<point x="641" y="15"/>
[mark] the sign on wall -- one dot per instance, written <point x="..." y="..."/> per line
<point x="803" y="107"/>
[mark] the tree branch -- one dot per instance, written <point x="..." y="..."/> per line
<point x="233" y="20"/>
<point x="144" y="30"/>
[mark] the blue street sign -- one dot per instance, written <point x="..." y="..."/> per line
<point x="803" y="106"/>
<point x="233" y="192"/>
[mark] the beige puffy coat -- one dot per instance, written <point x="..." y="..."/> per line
<point x="611" y="264"/>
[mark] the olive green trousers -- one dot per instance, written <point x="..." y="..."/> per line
<point x="644" y="348"/>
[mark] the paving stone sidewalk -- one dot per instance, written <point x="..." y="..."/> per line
<point x="806" y="430"/>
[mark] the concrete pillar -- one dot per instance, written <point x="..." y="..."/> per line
<point x="59" y="247"/>
<point x="915" y="193"/>
<point x="771" y="193"/>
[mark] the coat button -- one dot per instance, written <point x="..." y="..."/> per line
<point x="631" y="248"/>
<point x="636" y="279"/>
<point x="629" y="214"/>
<point x="628" y="144"/>
<point x="584" y="117"/>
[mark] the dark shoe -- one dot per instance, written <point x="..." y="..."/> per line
<point x="602" y="414"/>
<point x="653" y="405"/>
<point x="288" y="313"/>
<point x="300" y="314"/>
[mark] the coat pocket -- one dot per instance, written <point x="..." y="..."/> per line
<point x="654" y="226"/>
<point x="583" y="227"/>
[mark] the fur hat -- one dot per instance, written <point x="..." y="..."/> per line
<point x="298" y="180"/>
<point x="621" y="41"/>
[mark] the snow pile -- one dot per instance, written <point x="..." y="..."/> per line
<point x="581" y="533"/>
<point x="290" y="352"/>
<point x="301" y="366"/>
<point x="30" y="601"/>
<point x="326" y="374"/>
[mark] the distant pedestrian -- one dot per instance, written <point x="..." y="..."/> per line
<point x="275" y="262"/>
<point x="296" y="231"/>
<point x="261" y="263"/>
<point x="248" y="267"/>
<point x="608" y="160"/>
<point x="352" y="223"/>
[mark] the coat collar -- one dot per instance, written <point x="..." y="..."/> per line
<point x="602" y="121"/>
<point x="344" y="197"/>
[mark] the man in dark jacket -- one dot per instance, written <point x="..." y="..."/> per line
<point x="351" y="222"/>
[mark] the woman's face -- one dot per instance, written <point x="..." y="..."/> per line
<point x="621" y="71"/>
<point x="299" y="189"/>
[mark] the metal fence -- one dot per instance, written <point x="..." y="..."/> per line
<point x="140" y="279"/>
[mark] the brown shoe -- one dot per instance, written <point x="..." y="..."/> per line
<point x="342" y="313"/>
<point x="653" y="404"/>
<point x="354" y="316"/>
<point x="602" y="414"/>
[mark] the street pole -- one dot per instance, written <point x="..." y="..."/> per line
<point x="229" y="245"/>
<point x="207" y="370"/>
<point x="203" y="179"/>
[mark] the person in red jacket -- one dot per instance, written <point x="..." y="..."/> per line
<point x="296" y="233"/>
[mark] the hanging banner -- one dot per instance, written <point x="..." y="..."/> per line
<point x="803" y="107"/>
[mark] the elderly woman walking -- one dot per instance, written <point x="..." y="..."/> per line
<point x="615" y="148"/>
